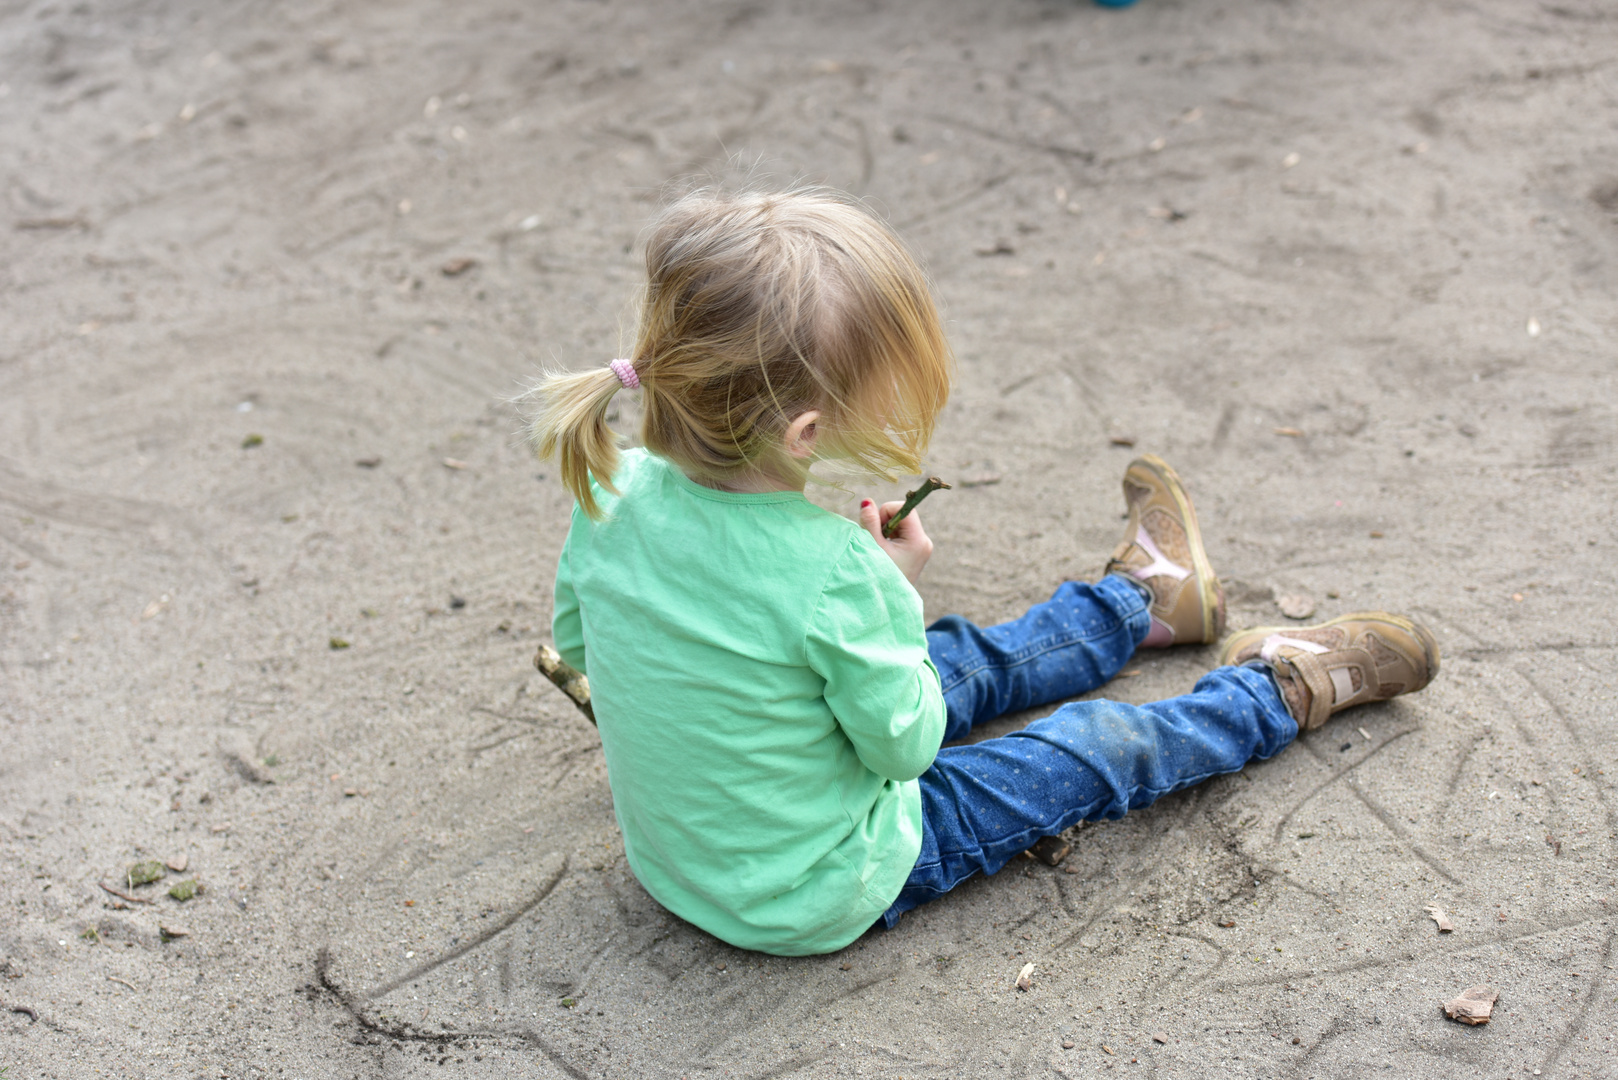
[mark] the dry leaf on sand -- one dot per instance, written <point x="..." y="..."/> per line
<point x="1438" y="916"/>
<point x="1296" y="606"/>
<point x="1473" y="1006"/>
<point x="1050" y="850"/>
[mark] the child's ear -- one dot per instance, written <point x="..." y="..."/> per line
<point x="799" y="437"/>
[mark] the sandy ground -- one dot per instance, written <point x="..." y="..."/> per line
<point x="1350" y="266"/>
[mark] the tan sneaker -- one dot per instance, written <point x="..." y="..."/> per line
<point x="1162" y="550"/>
<point x="1346" y="661"/>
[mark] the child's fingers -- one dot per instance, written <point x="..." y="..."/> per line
<point x="871" y="519"/>
<point x="907" y="527"/>
<point x="909" y="547"/>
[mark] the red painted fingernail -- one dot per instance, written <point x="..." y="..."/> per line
<point x="864" y="503"/>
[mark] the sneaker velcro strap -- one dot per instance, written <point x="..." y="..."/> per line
<point x="1318" y="681"/>
<point x="1317" y="670"/>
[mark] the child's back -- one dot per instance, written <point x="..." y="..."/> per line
<point x="760" y="676"/>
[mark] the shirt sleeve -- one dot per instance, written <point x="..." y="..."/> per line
<point x="567" y="626"/>
<point x="866" y="639"/>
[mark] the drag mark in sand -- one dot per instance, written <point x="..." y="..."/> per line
<point x="569" y="758"/>
<point x="1067" y="153"/>
<point x="43" y="499"/>
<point x="355" y="1007"/>
<point x="1581" y="917"/>
<point x="473" y="942"/>
<point x="1574" y="1028"/>
<point x="859" y="987"/>
<point x="956" y="202"/>
<point x="1573" y="734"/>
<point x="554" y="1056"/>
<point x="1163" y="984"/>
<point x="1104" y="905"/>
<point x="787" y="1067"/>
<point x="1386" y="818"/>
<point x="1484" y="652"/>
<point x="1287" y="879"/>
<point x="1338" y="1027"/>
<point x="1459" y="769"/>
<point x="30" y="549"/>
<point x="1281" y="824"/>
<point x="487" y="746"/>
<point x="1377" y="809"/>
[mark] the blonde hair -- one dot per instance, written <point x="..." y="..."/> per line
<point x="759" y="307"/>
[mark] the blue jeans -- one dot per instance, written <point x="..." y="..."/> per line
<point x="982" y="805"/>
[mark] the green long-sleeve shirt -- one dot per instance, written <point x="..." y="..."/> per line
<point x="760" y="678"/>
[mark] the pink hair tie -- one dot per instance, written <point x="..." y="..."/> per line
<point x="625" y="370"/>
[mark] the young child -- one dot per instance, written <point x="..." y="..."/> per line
<point x="770" y="705"/>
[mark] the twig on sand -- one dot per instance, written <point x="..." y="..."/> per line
<point x="122" y="982"/>
<point x="120" y="894"/>
<point x="912" y="500"/>
<point x="566" y="678"/>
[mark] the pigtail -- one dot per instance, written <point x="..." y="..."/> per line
<point x="571" y="425"/>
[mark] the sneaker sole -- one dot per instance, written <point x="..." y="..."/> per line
<point x="1208" y="583"/>
<point x="1429" y="644"/>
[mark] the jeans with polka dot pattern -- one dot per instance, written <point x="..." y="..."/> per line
<point x="985" y="803"/>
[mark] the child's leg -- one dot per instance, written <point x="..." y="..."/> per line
<point x="1159" y="590"/>
<point x="984" y="804"/>
<point x="1074" y="642"/>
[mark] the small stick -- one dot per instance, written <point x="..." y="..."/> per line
<point x="912" y="500"/>
<point x="121" y="982"/>
<point x="568" y="680"/>
<point x="120" y="894"/>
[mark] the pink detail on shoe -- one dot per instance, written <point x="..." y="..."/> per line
<point x="1160" y="636"/>
<point x="1275" y="642"/>
<point x="1160" y="566"/>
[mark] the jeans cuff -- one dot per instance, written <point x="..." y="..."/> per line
<point x="1260" y="680"/>
<point x="1124" y="596"/>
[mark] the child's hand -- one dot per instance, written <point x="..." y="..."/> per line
<point x="910" y="547"/>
